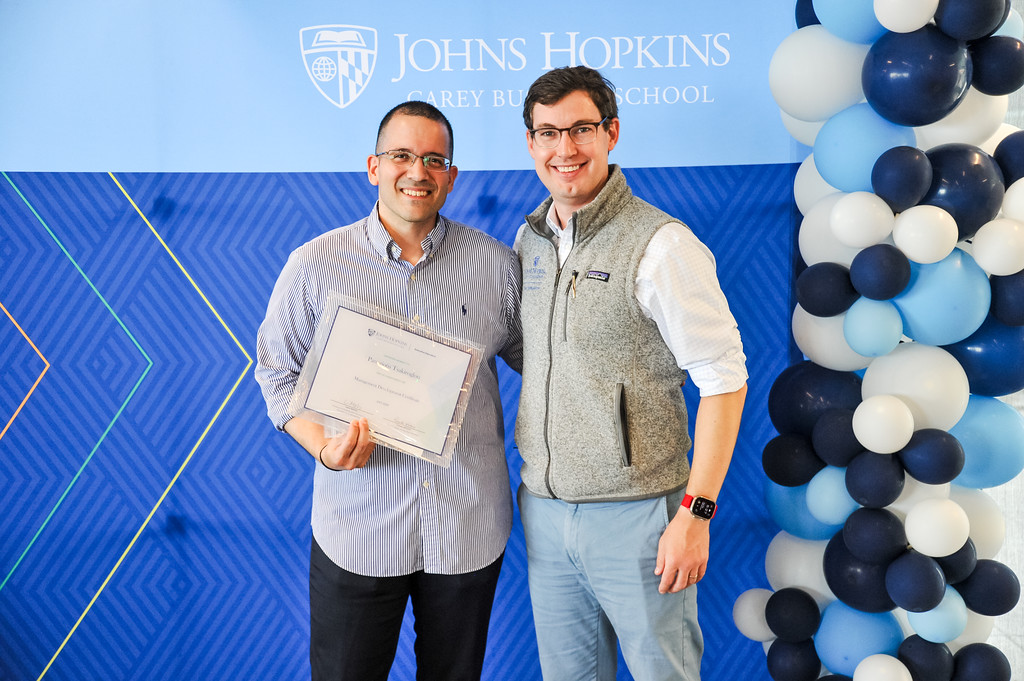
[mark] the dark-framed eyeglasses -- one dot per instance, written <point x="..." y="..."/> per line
<point x="581" y="133"/>
<point x="403" y="158"/>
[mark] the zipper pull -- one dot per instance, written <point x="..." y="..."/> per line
<point x="572" y="283"/>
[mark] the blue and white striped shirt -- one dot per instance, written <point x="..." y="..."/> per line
<point x="400" y="514"/>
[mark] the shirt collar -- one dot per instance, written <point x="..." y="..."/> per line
<point x="386" y="247"/>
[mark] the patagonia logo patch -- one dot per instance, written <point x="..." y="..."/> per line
<point x="600" y="276"/>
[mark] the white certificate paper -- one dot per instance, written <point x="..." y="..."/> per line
<point x="411" y="383"/>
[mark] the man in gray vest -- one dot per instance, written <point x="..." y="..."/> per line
<point x="620" y="303"/>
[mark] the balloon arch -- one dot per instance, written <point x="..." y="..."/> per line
<point x="910" y="313"/>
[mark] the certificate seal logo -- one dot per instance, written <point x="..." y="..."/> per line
<point x="339" y="60"/>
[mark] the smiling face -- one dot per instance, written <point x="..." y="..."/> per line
<point x="411" y="197"/>
<point x="574" y="174"/>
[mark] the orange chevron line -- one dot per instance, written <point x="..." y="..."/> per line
<point x="40" y="378"/>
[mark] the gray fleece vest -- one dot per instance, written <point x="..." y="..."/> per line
<point x="601" y="413"/>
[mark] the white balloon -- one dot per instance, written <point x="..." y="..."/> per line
<point x="1013" y="26"/>
<point x="925" y="234"/>
<point x="748" y="614"/>
<point x="881" y="667"/>
<point x="937" y="527"/>
<point x="973" y="121"/>
<point x="809" y="186"/>
<point x="883" y="424"/>
<point x="988" y="525"/>
<point x="861" y="219"/>
<point x="814" y="75"/>
<point x="978" y="630"/>
<point x="915" y="491"/>
<point x="1001" y="133"/>
<point x="998" y="246"/>
<point x="816" y="241"/>
<point x="823" y="341"/>
<point x="927" y="378"/>
<point x="792" y="561"/>
<point x="1013" y="201"/>
<point x="803" y="132"/>
<point x="904" y="16"/>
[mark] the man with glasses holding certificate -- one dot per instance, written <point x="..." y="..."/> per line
<point x="620" y="303"/>
<point x="389" y="527"/>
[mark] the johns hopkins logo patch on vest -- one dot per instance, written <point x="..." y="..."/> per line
<point x="339" y="60"/>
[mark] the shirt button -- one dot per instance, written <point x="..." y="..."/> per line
<point x="416" y="318"/>
<point x="413" y="277"/>
<point x="426" y="483"/>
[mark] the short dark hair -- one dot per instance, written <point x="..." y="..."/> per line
<point x="556" y="84"/>
<point x="422" y="109"/>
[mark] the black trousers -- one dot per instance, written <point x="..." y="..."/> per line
<point x="355" y="621"/>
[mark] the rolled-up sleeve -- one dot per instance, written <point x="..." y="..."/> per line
<point x="283" y="340"/>
<point x="677" y="287"/>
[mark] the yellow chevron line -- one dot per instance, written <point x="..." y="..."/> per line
<point x="38" y="380"/>
<point x="188" y="458"/>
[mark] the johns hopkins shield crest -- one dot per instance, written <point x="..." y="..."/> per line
<point x="339" y="60"/>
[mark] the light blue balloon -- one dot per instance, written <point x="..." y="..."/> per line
<point x="872" y="327"/>
<point x="851" y="20"/>
<point x="788" y="508"/>
<point x="827" y="498"/>
<point x="1013" y="26"/>
<point x="942" y="623"/>
<point x="946" y="301"/>
<point x="850" y="142"/>
<point x="992" y="435"/>
<point x="846" y="636"/>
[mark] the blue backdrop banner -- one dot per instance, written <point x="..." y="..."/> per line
<point x="222" y="86"/>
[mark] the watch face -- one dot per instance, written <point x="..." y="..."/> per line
<point x="702" y="508"/>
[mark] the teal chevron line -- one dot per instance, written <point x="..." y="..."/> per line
<point x="149" y="365"/>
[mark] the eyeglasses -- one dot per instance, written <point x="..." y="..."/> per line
<point x="405" y="159"/>
<point x="581" y="133"/>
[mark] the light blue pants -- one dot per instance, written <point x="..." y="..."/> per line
<point x="592" y="581"/>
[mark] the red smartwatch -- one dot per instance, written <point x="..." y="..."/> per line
<point x="700" y="507"/>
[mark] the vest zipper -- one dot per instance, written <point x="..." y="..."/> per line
<point x="551" y="351"/>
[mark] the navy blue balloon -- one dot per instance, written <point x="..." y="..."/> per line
<point x="803" y="391"/>
<point x="932" y="456"/>
<point x="875" y="535"/>
<point x="793" y="661"/>
<point x="805" y="15"/>
<point x="789" y="460"/>
<point x="875" y="480"/>
<point x="991" y="589"/>
<point x="825" y="290"/>
<point x="993" y="358"/>
<point x="901" y="177"/>
<point x="880" y="272"/>
<point x="926" y="661"/>
<point x="967" y="183"/>
<point x="1009" y="154"/>
<point x="1008" y="298"/>
<point x="980" y="662"/>
<point x="857" y="583"/>
<point x="915" y="582"/>
<point x="833" y="438"/>
<point x="971" y="19"/>
<point x="998" y="65"/>
<point x="792" y="614"/>
<point x="959" y="565"/>
<point x="916" y="78"/>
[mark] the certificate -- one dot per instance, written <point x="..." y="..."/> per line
<point x="411" y="383"/>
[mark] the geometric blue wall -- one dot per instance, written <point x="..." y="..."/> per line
<point x="154" y="525"/>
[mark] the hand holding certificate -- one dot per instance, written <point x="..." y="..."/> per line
<point x="410" y="383"/>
